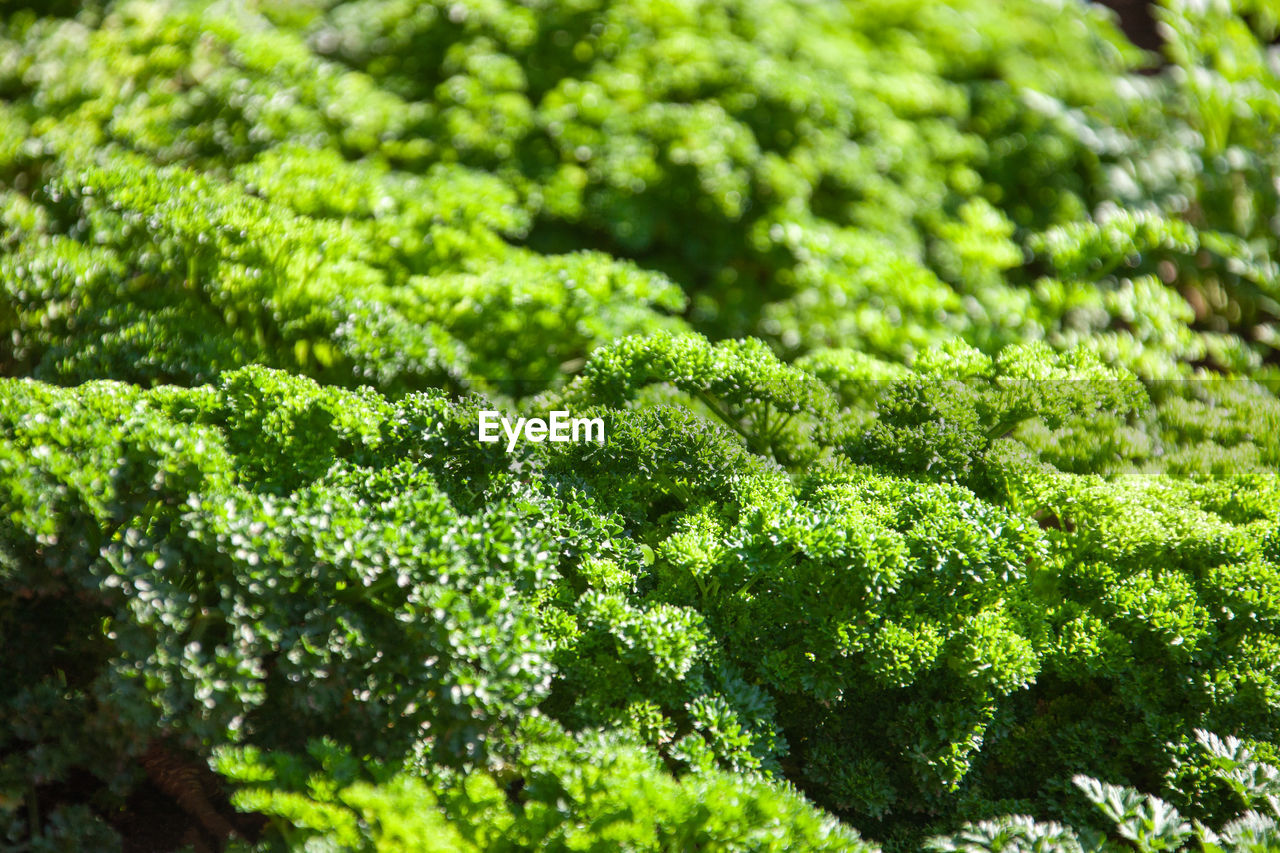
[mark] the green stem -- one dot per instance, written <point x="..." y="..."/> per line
<point x="728" y="420"/>
<point x="33" y="813"/>
<point x="1003" y="427"/>
<point x="778" y="428"/>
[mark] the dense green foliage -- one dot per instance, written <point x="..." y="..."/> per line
<point x="935" y="343"/>
<point x="1147" y="823"/>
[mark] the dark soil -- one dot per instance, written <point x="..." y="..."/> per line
<point x="1137" y="22"/>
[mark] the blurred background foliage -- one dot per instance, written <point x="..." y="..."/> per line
<point x="312" y="185"/>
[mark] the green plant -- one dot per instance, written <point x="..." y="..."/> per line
<point x="934" y="348"/>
